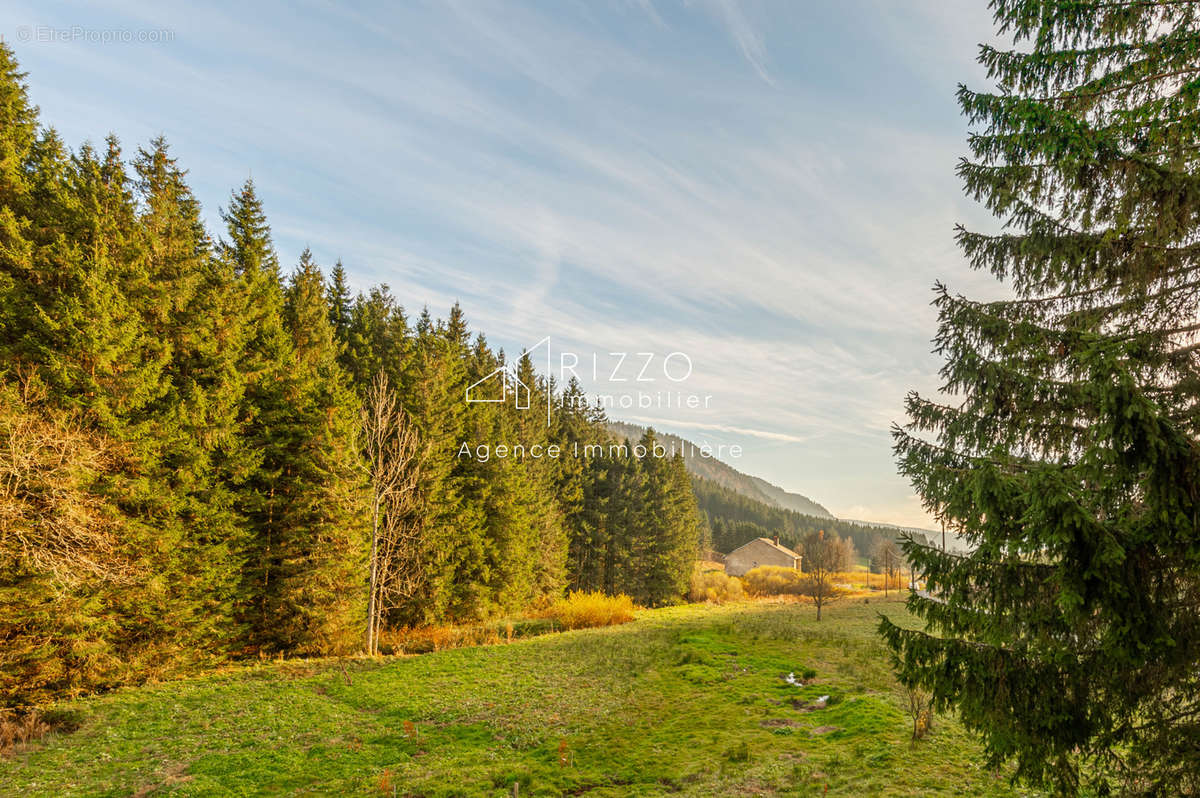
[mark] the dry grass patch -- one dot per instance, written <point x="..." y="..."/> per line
<point x="17" y="730"/>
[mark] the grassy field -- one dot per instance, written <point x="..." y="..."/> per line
<point x="687" y="700"/>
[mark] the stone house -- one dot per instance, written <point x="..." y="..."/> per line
<point x="760" y="551"/>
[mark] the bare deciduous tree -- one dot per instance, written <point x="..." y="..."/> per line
<point x="390" y="444"/>
<point x="888" y="559"/>
<point x="823" y="556"/>
<point x="920" y="709"/>
<point x="50" y="520"/>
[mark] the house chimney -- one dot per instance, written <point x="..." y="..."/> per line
<point x="776" y="539"/>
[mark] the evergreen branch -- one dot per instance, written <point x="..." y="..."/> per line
<point x="1035" y="566"/>
<point x="1089" y="95"/>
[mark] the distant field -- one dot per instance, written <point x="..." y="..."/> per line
<point x="855" y="584"/>
<point x="683" y="701"/>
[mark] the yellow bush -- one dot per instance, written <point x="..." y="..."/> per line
<point x="773" y="580"/>
<point x="580" y="610"/>
<point x="714" y="586"/>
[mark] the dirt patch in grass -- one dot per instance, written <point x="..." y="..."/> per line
<point x="169" y="777"/>
<point x="583" y="789"/>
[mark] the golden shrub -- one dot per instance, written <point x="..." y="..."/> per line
<point x="773" y="580"/>
<point x="715" y="586"/>
<point x="581" y="610"/>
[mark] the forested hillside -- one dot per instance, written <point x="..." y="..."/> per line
<point x="734" y="519"/>
<point x="183" y="471"/>
<point x="723" y="474"/>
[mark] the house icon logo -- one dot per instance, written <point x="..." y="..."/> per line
<point x="498" y="387"/>
<point x="503" y="385"/>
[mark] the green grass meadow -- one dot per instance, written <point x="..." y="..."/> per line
<point x="683" y="701"/>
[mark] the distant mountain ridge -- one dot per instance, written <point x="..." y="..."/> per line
<point x="953" y="541"/>
<point x="726" y="475"/>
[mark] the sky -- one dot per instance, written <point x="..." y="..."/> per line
<point x="765" y="188"/>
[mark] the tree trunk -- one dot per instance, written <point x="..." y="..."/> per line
<point x="371" y="631"/>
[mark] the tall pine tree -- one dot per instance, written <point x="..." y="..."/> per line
<point x="18" y="130"/>
<point x="315" y="596"/>
<point x="1069" y="637"/>
<point x="340" y="301"/>
<point x="189" y="530"/>
<point x="268" y="414"/>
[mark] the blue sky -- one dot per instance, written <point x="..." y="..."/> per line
<point x="767" y="187"/>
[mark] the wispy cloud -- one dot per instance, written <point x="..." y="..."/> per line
<point x="747" y="39"/>
<point x="754" y="433"/>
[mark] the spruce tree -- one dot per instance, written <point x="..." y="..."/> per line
<point x="71" y="316"/>
<point x="268" y="414"/>
<point x="315" y="597"/>
<point x="626" y="522"/>
<point x="500" y="493"/>
<point x="118" y="365"/>
<point x="252" y="266"/>
<point x="687" y="534"/>
<point x="487" y="574"/>
<point x="375" y="338"/>
<point x="664" y="526"/>
<point x="435" y="383"/>
<point x="574" y="431"/>
<point x="18" y="129"/>
<point x="189" y="529"/>
<point x="1066" y="454"/>
<point x="340" y="301"/>
<point x="548" y="556"/>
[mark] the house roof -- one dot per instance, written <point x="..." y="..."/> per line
<point x="773" y="545"/>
